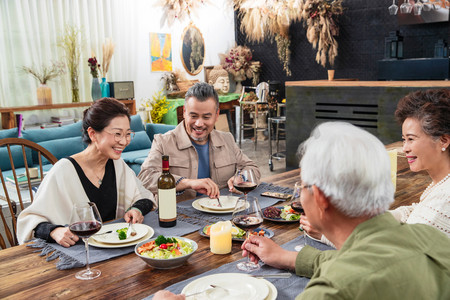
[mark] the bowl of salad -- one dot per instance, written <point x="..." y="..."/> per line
<point x="166" y="252"/>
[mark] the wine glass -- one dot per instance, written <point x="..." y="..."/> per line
<point x="406" y="7"/>
<point x="247" y="215"/>
<point x="393" y="8"/>
<point x="297" y="206"/>
<point x="84" y="222"/>
<point x="245" y="181"/>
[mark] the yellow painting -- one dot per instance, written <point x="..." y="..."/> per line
<point x="161" y="52"/>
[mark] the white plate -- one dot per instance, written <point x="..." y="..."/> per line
<point x="197" y="206"/>
<point x="113" y="237"/>
<point x="228" y="202"/>
<point x="149" y="234"/>
<point x="235" y="286"/>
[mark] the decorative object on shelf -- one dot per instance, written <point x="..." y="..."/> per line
<point x="192" y="50"/>
<point x="158" y="107"/>
<point x="170" y="81"/>
<point x="96" y="91"/>
<point x="393" y="9"/>
<point x="179" y="10"/>
<point x="121" y="90"/>
<point x="71" y="42"/>
<point x="441" y="49"/>
<point x="268" y="19"/>
<point x="218" y="78"/>
<point x="256" y="70"/>
<point x="237" y="62"/>
<point x="104" y="86"/>
<point x="393" y="48"/>
<point x="46" y="73"/>
<point x="330" y="75"/>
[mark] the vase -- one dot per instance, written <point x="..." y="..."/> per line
<point x="96" y="91"/>
<point x="44" y="94"/>
<point x="239" y="79"/>
<point x="75" y="90"/>
<point x="105" y="88"/>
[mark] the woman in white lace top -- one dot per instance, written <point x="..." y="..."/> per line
<point x="425" y="119"/>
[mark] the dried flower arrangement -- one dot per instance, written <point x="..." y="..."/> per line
<point x="46" y="72"/>
<point x="93" y="66"/>
<point x="159" y="106"/>
<point x="108" y="51"/>
<point x="178" y="10"/>
<point x="251" y="97"/>
<point x="237" y="61"/>
<point x="71" y="42"/>
<point x="271" y="19"/>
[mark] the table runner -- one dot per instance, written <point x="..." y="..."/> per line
<point x="75" y="256"/>
<point x="196" y="217"/>
<point x="287" y="288"/>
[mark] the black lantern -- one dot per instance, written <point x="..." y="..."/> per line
<point x="393" y="48"/>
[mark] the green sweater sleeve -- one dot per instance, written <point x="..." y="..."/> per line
<point x="309" y="258"/>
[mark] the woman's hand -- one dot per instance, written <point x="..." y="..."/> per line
<point x="166" y="295"/>
<point x="309" y="229"/>
<point x="262" y="248"/>
<point x="64" y="237"/>
<point x="134" y="215"/>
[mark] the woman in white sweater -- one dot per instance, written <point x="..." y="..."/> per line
<point x="425" y="119"/>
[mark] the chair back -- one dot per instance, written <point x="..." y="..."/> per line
<point x="18" y="151"/>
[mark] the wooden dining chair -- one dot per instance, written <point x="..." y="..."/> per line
<point x="20" y="151"/>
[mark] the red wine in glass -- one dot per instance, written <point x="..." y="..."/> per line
<point x="245" y="187"/>
<point x="85" y="229"/>
<point x="247" y="222"/>
<point x="297" y="206"/>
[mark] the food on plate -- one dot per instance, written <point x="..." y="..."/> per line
<point x="289" y="214"/>
<point x="272" y="212"/>
<point x="122" y="233"/>
<point x="260" y="232"/>
<point x="165" y="247"/>
<point x="235" y="231"/>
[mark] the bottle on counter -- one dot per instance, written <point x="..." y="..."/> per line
<point x="167" y="201"/>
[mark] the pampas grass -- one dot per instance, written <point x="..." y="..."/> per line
<point x="108" y="51"/>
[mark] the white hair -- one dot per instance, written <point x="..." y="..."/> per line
<point x="350" y="166"/>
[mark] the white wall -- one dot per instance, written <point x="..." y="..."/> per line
<point x="127" y="22"/>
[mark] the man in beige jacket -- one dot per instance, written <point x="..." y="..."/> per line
<point x="202" y="159"/>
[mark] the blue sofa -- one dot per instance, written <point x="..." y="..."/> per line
<point x="66" y="140"/>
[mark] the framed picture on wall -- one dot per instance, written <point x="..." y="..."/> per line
<point x="161" y="52"/>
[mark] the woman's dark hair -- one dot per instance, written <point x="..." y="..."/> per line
<point x="99" y="115"/>
<point x="430" y="107"/>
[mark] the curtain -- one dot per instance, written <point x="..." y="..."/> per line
<point x="30" y="30"/>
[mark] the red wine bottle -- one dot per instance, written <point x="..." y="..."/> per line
<point x="167" y="199"/>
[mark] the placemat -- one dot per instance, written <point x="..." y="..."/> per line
<point x="75" y="256"/>
<point x="201" y="219"/>
<point x="287" y="288"/>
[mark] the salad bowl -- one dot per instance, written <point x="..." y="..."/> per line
<point x="162" y="258"/>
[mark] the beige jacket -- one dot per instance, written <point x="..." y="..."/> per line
<point x="224" y="158"/>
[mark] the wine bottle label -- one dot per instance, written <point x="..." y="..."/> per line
<point x="167" y="203"/>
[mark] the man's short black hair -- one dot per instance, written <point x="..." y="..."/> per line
<point x="202" y="91"/>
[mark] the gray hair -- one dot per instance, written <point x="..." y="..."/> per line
<point x="202" y="91"/>
<point x="350" y="166"/>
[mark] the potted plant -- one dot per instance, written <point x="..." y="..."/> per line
<point x="96" y="92"/>
<point x="158" y="106"/>
<point x="44" y="74"/>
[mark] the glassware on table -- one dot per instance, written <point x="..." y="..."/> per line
<point x="393" y="8"/>
<point x="406" y="7"/>
<point x="247" y="215"/>
<point x="297" y="206"/>
<point x="245" y="181"/>
<point x="85" y="221"/>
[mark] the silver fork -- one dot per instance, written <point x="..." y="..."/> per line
<point x="198" y="293"/>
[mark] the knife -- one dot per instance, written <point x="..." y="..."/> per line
<point x="129" y="229"/>
<point x="278" y="275"/>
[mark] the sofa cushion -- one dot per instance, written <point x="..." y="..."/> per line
<point x="136" y="123"/>
<point x="140" y="141"/>
<point x="9" y="133"/>
<point x="16" y="152"/>
<point x="153" y="129"/>
<point x="63" y="147"/>
<point x="132" y="156"/>
<point x="47" y="134"/>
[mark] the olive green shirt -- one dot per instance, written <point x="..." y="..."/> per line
<point x="381" y="259"/>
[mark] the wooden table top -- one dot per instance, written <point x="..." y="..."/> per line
<point x="25" y="275"/>
<point x="355" y="83"/>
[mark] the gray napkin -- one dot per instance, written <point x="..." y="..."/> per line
<point x="75" y="256"/>
<point x="196" y="217"/>
<point x="287" y="288"/>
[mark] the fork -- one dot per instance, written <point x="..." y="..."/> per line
<point x="218" y="200"/>
<point x="201" y="292"/>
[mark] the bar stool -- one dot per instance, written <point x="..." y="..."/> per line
<point x="255" y="125"/>
<point x="277" y="155"/>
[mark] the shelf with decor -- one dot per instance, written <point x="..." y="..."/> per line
<point x="9" y="120"/>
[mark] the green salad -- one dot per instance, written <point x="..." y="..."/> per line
<point x="164" y="248"/>
<point x="289" y="214"/>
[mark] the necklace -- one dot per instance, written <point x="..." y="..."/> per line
<point x="100" y="180"/>
<point x="431" y="186"/>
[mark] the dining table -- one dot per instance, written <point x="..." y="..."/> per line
<point x="25" y="275"/>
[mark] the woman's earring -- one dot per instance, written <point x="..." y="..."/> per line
<point x="443" y="149"/>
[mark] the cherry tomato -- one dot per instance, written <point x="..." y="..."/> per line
<point x="163" y="246"/>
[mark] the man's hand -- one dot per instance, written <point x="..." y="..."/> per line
<point x="64" y="237"/>
<point x="231" y="186"/>
<point x="166" y="295"/>
<point x="204" y="186"/>
<point x="134" y="215"/>
<point x="309" y="229"/>
<point x="262" y="248"/>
